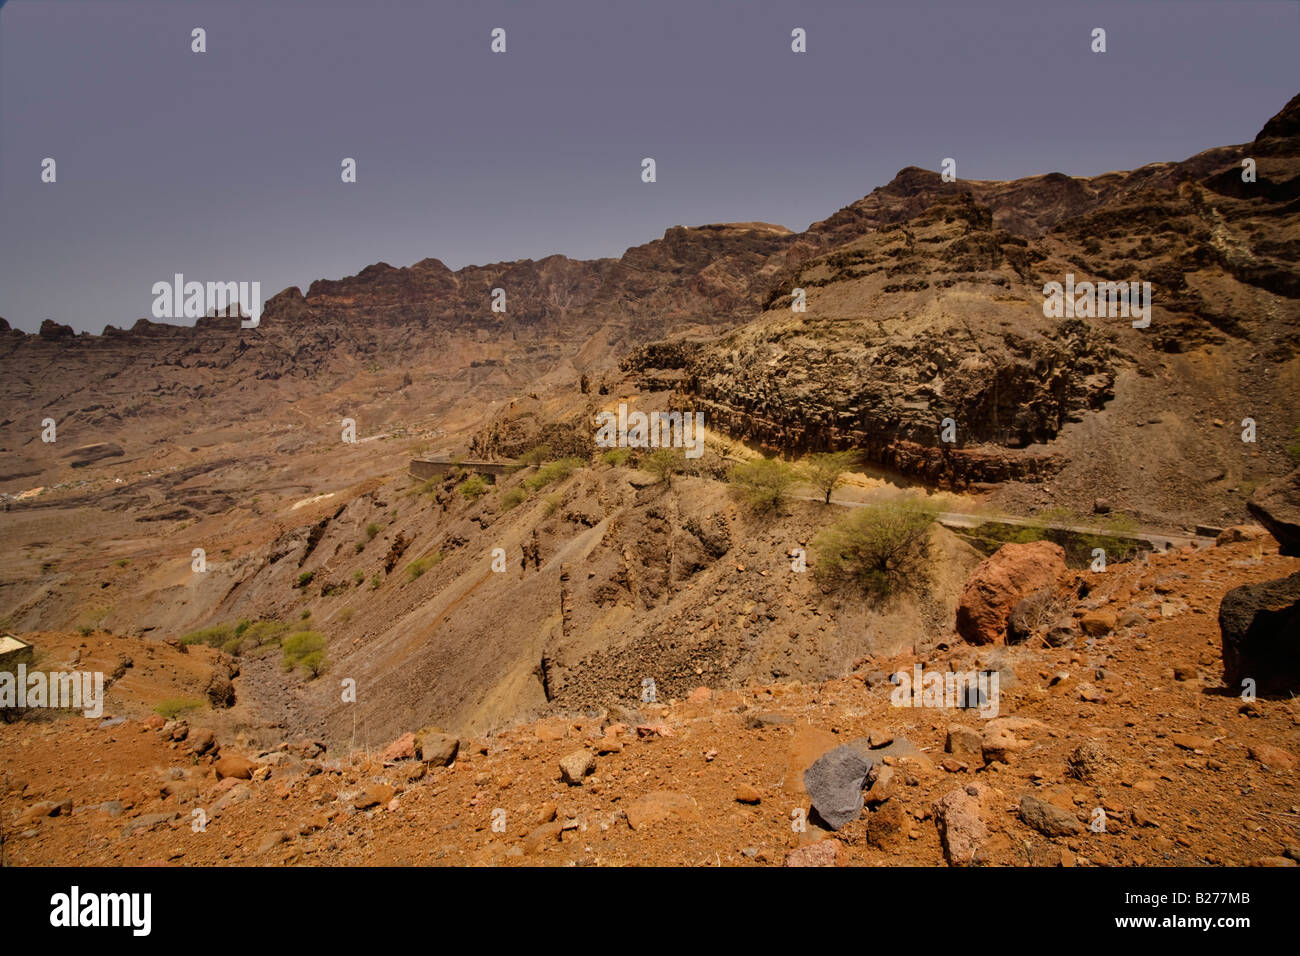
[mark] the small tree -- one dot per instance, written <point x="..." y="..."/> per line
<point x="298" y="648"/>
<point x="876" y="547"/>
<point x="763" y="483"/>
<point x="473" y="487"/>
<point x="313" y="663"/>
<point x="663" y="463"/>
<point x="826" y="470"/>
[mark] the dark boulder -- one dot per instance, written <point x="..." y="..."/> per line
<point x="1260" y="626"/>
<point x="1277" y="506"/>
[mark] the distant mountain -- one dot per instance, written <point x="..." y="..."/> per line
<point x="928" y="304"/>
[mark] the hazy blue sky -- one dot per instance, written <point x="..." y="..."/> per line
<point x="225" y="165"/>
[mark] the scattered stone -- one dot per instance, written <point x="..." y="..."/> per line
<point x="273" y="839"/>
<point x="1046" y="818"/>
<point x="965" y="744"/>
<point x="1090" y="694"/>
<point x="659" y="806"/>
<point x="436" y="748"/>
<point x="1000" y="745"/>
<point x="885" y="824"/>
<point x="1275" y="758"/>
<point x="1088" y="761"/>
<point x="403" y="748"/>
<point x="806" y="744"/>
<point x="881" y="784"/>
<point x="821" y="853"/>
<point x="834" y="783"/>
<point x="1063" y="634"/>
<point x="745" y="793"/>
<point x="240" y="768"/>
<point x="999" y="582"/>
<point x="759" y="721"/>
<point x="373" y="796"/>
<point x="201" y="741"/>
<point x="1191" y="742"/>
<point x="1277" y="506"/>
<point x="1098" y="623"/>
<point x="961" y="828"/>
<point x="149" y="821"/>
<point x="1240" y="532"/>
<point x="543" y="836"/>
<point x="1260" y="628"/>
<point x="576" y="766"/>
<point x="654" y="730"/>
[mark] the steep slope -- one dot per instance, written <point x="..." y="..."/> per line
<point x="937" y="312"/>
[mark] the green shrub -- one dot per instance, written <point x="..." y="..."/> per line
<point x="372" y="529"/>
<point x="826" y="470"/>
<point x="358" y="576"/>
<point x="878" y="547"/>
<point x="296" y="648"/>
<point x="173" y="707"/>
<point x="474" y="487"/>
<point x="536" y="455"/>
<point x="265" y="632"/>
<point x="420" y="565"/>
<point x="375" y="581"/>
<point x="663" y="463"/>
<point x="616" y="456"/>
<point x="552" y="504"/>
<point x="551" y="472"/>
<point x="216" y="636"/>
<point x="763" y="483"/>
<point x="1294" y="448"/>
<point x="512" y="498"/>
<point x="304" y="579"/>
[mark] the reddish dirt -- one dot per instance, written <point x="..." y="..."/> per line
<point x="1165" y="804"/>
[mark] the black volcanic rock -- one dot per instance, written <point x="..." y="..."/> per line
<point x="1260" y="628"/>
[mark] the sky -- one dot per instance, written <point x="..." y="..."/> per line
<point x="226" y="165"/>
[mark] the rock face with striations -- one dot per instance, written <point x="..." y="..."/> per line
<point x="925" y="302"/>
